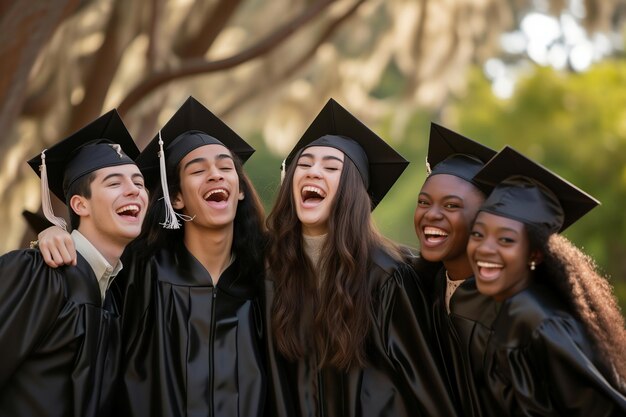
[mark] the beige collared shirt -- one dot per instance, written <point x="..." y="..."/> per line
<point x="105" y="273"/>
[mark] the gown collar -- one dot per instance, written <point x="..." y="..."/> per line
<point x="104" y="271"/>
<point x="181" y="268"/>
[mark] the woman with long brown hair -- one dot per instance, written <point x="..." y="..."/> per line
<point x="348" y="318"/>
<point x="558" y="341"/>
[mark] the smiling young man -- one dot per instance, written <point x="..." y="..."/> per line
<point x="192" y="333"/>
<point x="59" y="328"/>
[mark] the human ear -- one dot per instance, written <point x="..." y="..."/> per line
<point x="536" y="257"/>
<point x="178" y="202"/>
<point x="80" y="205"/>
<point x="241" y="195"/>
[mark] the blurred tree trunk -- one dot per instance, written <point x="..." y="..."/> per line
<point x="24" y="32"/>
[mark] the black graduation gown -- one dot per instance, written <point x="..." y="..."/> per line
<point x="192" y="349"/>
<point x="59" y="346"/>
<point x="402" y="377"/>
<point x="462" y="339"/>
<point x="540" y="362"/>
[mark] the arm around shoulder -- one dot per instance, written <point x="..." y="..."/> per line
<point x="57" y="247"/>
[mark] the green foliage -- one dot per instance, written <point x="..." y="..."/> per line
<point x="394" y="215"/>
<point x="392" y="82"/>
<point x="264" y="170"/>
<point x="575" y="124"/>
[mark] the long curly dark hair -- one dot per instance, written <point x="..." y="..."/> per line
<point x="574" y="276"/>
<point x="334" y="321"/>
<point x="249" y="236"/>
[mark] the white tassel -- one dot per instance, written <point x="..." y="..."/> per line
<point x="171" y="222"/>
<point x="46" y="204"/>
<point x="282" y="172"/>
<point x="428" y="170"/>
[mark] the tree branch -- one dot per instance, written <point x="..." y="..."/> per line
<point x="151" y="53"/>
<point x="24" y="32"/>
<point x="415" y="80"/>
<point x="305" y="57"/>
<point x="200" y="66"/>
<point x="213" y="23"/>
<point x="99" y="74"/>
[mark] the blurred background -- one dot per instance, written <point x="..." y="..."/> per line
<point x="546" y="77"/>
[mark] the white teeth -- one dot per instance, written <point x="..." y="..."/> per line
<point x="314" y="190"/>
<point x="434" y="231"/>
<point x="215" y="191"/>
<point x="483" y="264"/>
<point x="131" y="207"/>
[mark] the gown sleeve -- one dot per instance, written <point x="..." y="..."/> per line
<point x="280" y="398"/>
<point x="406" y="334"/>
<point x="31" y="297"/>
<point x="133" y="288"/>
<point x="556" y="374"/>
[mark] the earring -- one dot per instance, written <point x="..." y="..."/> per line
<point x="533" y="265"/>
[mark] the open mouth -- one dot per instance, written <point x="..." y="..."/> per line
<point x="217" y="195"/>
<point x="489" y="270"/>
<point x="129" y="210"/>
<point x="434" y="234"/>
<point x="312" y="194"/>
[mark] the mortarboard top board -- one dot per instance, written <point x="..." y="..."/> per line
<point x="36" y="222"/>
<point x="454" y="154"/>
<point x="85" y="151"/>
<point x="528" y="192"/>
<point x="105" y="142"/>
<point x="378" y="163"/>
<point x="200" y="127"/>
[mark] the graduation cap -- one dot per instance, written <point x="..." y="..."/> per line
<point x="37" y="222"/>
<point x="191" y="127"/>
<point x="105" y="142"/>
<point x="377" y="162"/>
<point x="454" y="154"/>
<point x="527" y="192"/>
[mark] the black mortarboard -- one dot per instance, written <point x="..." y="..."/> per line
<point x="378" y="163"/>
<point x="37" y="222"/>
<point x="105" y="142"/>
<point x="191" y="127"/>
<point x="530" y="193"/>
<point x="454" y="154"/>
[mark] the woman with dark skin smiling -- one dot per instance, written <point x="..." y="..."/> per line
<point x="447" y="204"/>
<point x="558" y="341"/>
<point x="348" y="319"/>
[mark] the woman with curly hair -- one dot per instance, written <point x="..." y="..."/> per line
<point x="558" y="340"/>
<point x="348" y="318"/>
